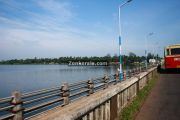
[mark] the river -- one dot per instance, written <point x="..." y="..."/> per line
<point x="26" y="78"/>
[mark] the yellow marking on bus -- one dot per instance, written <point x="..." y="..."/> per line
<point x="178" y="66"/>
<point x="173" y="46"/>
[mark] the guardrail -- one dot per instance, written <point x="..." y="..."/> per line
<point x="21" y="106"/>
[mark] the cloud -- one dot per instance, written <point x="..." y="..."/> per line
<point x="48" y="33"/>
<point x="41" y="14"/>
<point x="54" y="44"/>
<point x="56" y="9"/>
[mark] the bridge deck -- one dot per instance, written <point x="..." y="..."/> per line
<point x="163" y="103"/>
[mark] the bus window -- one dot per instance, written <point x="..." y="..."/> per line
<point x="167" y="51"/>
<point x="175" y="51"/>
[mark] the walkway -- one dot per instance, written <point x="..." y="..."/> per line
<point x="163" y="103"/>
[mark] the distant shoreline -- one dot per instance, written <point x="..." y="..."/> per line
<point x="81" y="61"/>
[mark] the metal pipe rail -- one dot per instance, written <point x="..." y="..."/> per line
<point x="39" y="92"/>
<point x="41" y="98"/>
<point x="77" y="93"/>
<point x="7" y="99"/>
<point x="79" y="83"/>
<point x="35" y="102"/>
<point x="42" y="105"/>
<point x="7" y="117"/>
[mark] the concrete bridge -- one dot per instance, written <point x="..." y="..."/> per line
<point x="105" y="101"/>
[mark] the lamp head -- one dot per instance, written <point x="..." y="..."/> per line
<point x="151" y="33"/>
<point x="129" y="1"/>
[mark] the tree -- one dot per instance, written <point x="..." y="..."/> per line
<point x="131" y="54"/>
<point x="108" y="58"/>
<point x="149" y="56"/>
<point x="115" y="58"/>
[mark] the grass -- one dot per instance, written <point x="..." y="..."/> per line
<point x="129" y="112"/>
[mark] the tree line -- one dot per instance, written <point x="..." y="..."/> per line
<point x="127" y="59"/>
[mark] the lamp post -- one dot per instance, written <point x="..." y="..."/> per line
<point x="120" y="34"/>
<point x="150" y="34"/>
<point x="155" y="50"/>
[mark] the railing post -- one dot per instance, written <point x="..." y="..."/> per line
<point x="17" y="110"/>
<point x="65" y="93"/>
<point x="143" y="69"/>
<point x="138" y="86"/>
<point x="105" y="80"/>
<point x="130" y="73"/>
<point x="136" y="69"/>
<point x="148" y="77"/>
<point x="90" y="87"/>
<point x="116" y="77"/>
<point x="133" y="72"/>
<point x="124" y="75"/>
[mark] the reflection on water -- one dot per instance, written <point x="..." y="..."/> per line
<point x="33" y="77"/>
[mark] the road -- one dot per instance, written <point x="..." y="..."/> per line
<point x="163" y="103"/>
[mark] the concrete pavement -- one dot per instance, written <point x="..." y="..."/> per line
<point x="163" y="103"/>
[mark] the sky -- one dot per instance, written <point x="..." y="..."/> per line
<point x="55" y="28"/>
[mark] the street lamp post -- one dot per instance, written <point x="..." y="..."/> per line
<point x="150" y="34"/>
<point x="120" y="48"/>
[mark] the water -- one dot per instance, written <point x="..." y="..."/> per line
<point x="26" y="78"/>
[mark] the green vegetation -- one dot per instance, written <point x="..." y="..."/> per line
<point x="127" y="60"/>
<point x="129" y="112"/>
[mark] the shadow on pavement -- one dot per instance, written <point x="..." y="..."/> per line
<point x="168" y="71"/>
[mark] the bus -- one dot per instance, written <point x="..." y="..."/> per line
<point x="172" y="57"/>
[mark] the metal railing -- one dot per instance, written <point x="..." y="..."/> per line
<point x="22" y="106"/>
